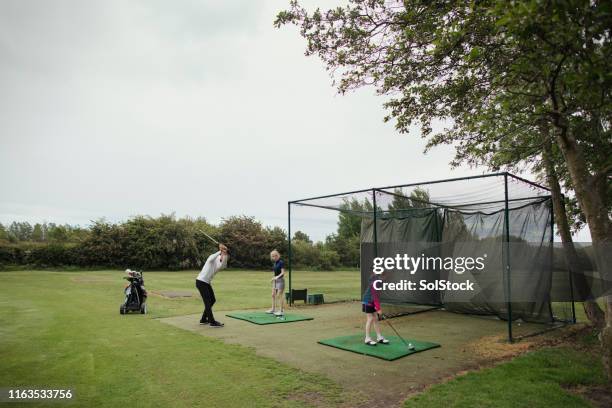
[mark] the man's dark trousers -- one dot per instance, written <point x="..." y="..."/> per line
<point x="208" y="296"/>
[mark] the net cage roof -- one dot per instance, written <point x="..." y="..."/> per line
<point x="476" y="194"/>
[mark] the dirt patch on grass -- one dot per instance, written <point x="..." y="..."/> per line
<point x="600" y="397"/>
<point x="495" y="348"/>
<point x="311" y="398"/>
<point x="172" y="294"/>
<point x="93" y="279"/>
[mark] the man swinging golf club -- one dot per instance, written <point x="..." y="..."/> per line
<point x="213" y="264"/>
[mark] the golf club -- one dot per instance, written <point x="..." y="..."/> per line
<point x="282" y="315"/>
<point x="408" y="345"/>
<point x="209" y="237"/>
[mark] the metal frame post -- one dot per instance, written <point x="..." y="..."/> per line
<point x="289" y="250"/>
<point x="551" y="255"/>
<point x="572" y="296"/>
<point x="569" y="270"/>
<point x="374" y="212"/>
<point x="507" y="257"/>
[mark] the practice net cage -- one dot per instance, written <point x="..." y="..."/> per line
<point x="499" y="221"/>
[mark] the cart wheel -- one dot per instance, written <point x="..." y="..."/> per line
<point x="143" y="308"/>
<point x="122" y="310"/>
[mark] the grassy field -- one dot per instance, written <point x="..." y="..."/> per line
<point x="243" y="289"/>
<point x="63" y="329"/>
<point x="538" y="379"/>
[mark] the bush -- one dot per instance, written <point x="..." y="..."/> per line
<point x="347" y="248"/>
<point x="8" y="255"/>
<point x="250" y="243"/>
<point x="328" y="259"/>
<point x="50" y="255"/>
<point x="167" y="243"/>
<point x="304" y="254"/>
<point x="317" y="256"/>
<point x="148" y="243"/>
<point x="102" y="247"/>
<point x="12" y="254"/>
<point x="38" y="254"/>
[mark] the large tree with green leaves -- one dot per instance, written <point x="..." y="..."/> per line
<point x="498" y="71"/>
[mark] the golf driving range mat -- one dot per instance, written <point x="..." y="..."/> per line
<point x="392" y="351"/>
<point x="267" y="318"/>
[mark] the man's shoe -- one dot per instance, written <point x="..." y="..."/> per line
<point x="216" y="324"/>
<point x="271" y="311"/>
<point x="203" y="322"/>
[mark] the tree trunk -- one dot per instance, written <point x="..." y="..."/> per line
<point x="589" y="190"/>
<point x="591" y="308"/>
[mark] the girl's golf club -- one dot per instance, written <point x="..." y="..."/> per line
<point x="409" y="346"/>
<point x="282" y="315"/>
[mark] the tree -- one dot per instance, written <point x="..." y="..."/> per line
<point x="301" y="236"/>
<point x="497" y="70"/>
<point x="21" y="231"/>
<point x="103" y="246"/>
<point x="346" y="241"/>
<point x="417" y="198"/>
<point x="247" y="240"/>
<point x="3" y="233"/>
<point x="347" y="249"/>
<point x="494" y="68"/>
<point x="37" y="233"/>
<point x="534" y="146"/>
<point x="547" y="163"/>
<point x="349" y="218"/>
<point x="591" y="308"/>
<point x="276" y="239"/>
<point x="57" y="233"/>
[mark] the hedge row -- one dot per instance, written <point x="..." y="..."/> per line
<point x="170" y="244"/>
<point x="43" y="255"/>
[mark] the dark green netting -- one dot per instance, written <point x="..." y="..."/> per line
<point x="505" y="217"/>
<point x="452" y="233"/>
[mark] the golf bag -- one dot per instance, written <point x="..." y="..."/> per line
<point x="135" y="294"/>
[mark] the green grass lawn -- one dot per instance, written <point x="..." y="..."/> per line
<point x="63" y="329"/>
<point x="242" y="289"/>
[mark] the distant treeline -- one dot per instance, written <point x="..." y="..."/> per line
<point x="167" y="242"/>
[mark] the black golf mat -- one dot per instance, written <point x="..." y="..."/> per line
<point x="392" y="351"/>
<point x="267" y="318"/>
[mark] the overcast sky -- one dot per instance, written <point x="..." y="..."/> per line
<point x="202" y="108"/>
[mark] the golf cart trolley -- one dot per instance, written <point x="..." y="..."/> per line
<point x="135" y="293"/>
